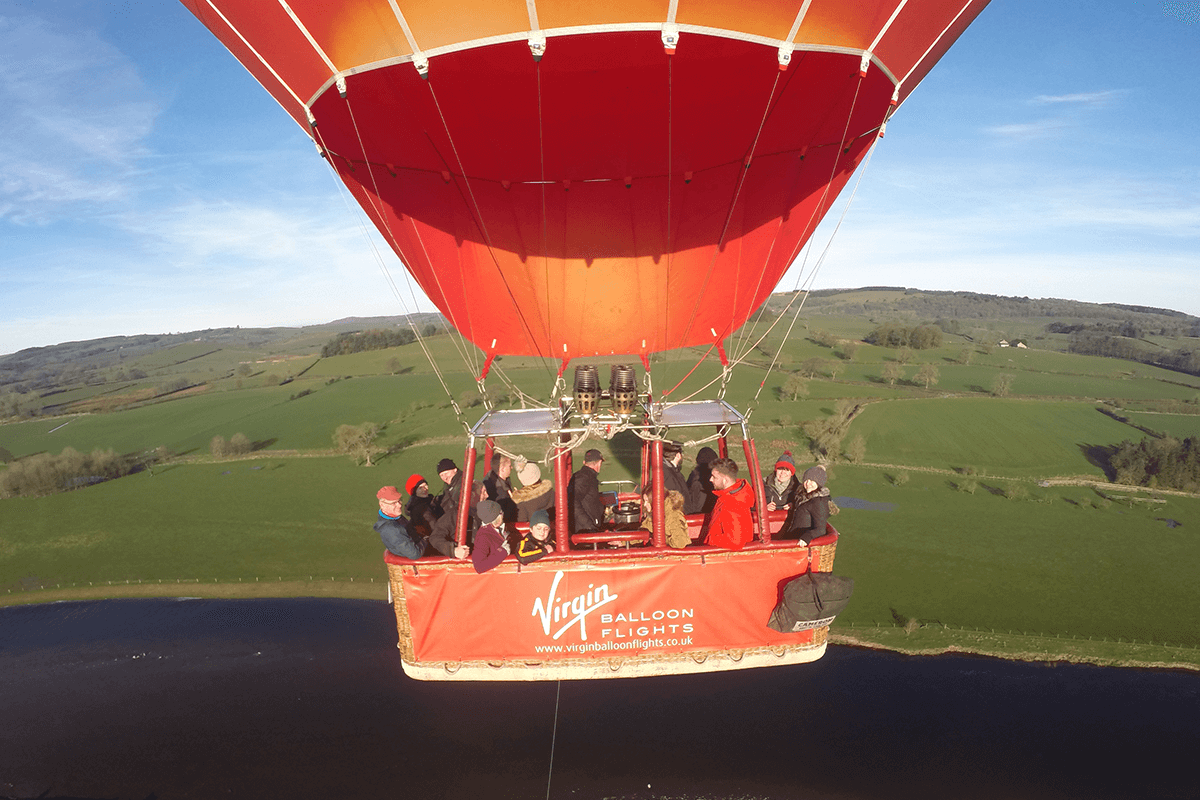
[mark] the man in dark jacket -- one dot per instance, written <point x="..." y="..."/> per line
<point x="583" y="494"/>
<point x="700" y="489"/>
<point x="393" y="528"/>
<point x="442" y="538"/>
<point x="498" y="484"/>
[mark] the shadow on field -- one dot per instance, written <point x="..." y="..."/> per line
<point x="262" y="444"/>
<point x="1100" y="455"/>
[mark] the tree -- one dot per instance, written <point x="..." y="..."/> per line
<point x="834" y="368"/>
<point x="812" y="366"/>
<point x="218" y="447"/>
<point x="239" y="444"/>
<point x="856" y="451"/>
<point x="358" y="441"/>
<point x="393" y="365"/>
<point x="964" y="355"/>
<point x="848" y="350"/>
<point x="892" y="373"/>
<point x="244" y="370"/>
<point x="904" y="355"/>
<point x="794" y="387"/>
<point x="928" y="375"/>
<point x="1002" y="384"/>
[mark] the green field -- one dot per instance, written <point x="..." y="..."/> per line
<point x="1028" y="438"/>
<point x="954" y="560"/>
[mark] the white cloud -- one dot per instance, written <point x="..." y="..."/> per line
<point x="1026" y="131"/>
<point x="1083" y="98"/>
<point x="76" y="117"/>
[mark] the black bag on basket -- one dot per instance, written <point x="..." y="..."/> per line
<point x="811" y="601"/>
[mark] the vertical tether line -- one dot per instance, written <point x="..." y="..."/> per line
<point x="553" y="739"/>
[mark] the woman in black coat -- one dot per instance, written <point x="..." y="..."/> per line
<point x="812" y="506"/>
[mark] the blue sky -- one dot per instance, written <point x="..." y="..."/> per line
<point x="148" y="184"/>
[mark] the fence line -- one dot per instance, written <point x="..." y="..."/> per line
<point x="1036" y="635"/>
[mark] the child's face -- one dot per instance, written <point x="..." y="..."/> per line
<point x="541" y="531"/>
<point x="783" y="475"/>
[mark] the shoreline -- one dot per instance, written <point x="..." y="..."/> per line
<point x="928" y="641"/>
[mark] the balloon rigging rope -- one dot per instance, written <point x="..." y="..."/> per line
<point x="812" y="277"/>
<point x="483" y="226"/>
<point x="733" y="205"/>
<point x="456" y="338"/>
<point x="357" y="213"/>
<point x="739" y="360"/>
<point x="812" y="221"/>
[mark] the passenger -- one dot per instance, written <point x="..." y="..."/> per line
<point x="535" y="494"/>
<point x="729" y="525"/>
<point x="393" y="529"/>
<point x="700" y="489"/>
<point x="672" y="460"/>
<point x="442" y="537"/>
<point x="422" y="513"/>
<point x="499" y="488"/>
<point x="583" y="494"/>
<point x="538" y="543"/>
<point x="812" y="506"/>
<point x="673" y="519"/>
<point x="781" y="488"/>
<point x="491" y="546"/>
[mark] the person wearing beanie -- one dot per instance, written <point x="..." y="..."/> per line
<point x="700" y="489"/>
<point x="812" y="506"/>
<point x="535" y="494"/>
<point x="422" y="514"/>
<point x="781" y="487"/>
<point x="583" y="494"/>
<point x="674" y="481"/>
<point x="393" y="529"/>
<point x="538" y="543"/>
<point x="491" y="545"/>
<point x="446" y="505"/>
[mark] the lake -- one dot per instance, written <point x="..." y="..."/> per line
<point x="305" y="698"/>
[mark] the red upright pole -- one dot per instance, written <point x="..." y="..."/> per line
<point x="658" y="514"/>
<point x="645" y="465"/>
<point x="489" y="449"/>
<point x="562" y="513"/>
<point x="466" y="497"/>
<point x="722" y="447"/>
<point x="760" y="491"/>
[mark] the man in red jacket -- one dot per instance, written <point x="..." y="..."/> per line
<point x="729" y="524"/>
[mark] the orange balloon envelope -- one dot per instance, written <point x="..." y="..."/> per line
<point x="569" y="179"/>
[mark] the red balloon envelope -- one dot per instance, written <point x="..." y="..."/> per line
<point x="569" y="179"/>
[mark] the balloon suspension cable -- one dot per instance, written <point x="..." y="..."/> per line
<point x="740" y="358"/>
<point x="808" y="287"/>
<point x="357" y="213"/>
<point x="737" y="193"/>
<point x="465" y="350"/>
<point x="483" y="226"/>
<point x="456" y="338"/>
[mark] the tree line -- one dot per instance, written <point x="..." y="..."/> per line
<point x="1166" y="463"/>
<point x="43" y="473"/>
<point x="361" y="341"/>
<point x="895" y="334"/>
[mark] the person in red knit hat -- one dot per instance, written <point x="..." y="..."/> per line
<point x="781" y="487"/>
<point x="421" y="511"/>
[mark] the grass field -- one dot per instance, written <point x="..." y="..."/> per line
<point x="1030" y="438"/>
<point x="1056" y="564"/>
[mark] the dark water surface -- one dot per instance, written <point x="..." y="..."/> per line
<point x="305" y="698"/>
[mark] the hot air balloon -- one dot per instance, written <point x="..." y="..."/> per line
<point x="568" y="180"/>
